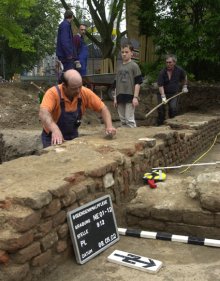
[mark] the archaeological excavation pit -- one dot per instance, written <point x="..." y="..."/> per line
<point x="39" y="189"/>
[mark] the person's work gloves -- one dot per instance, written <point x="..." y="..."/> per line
<point x="185" y="89"/>
<point x="164" y="99"/>
<point x="78" y="64"/>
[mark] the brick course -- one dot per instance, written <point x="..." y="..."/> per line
<point x="29" y="243"/>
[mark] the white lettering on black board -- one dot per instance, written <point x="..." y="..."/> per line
<point x="87" y="254"/>
<point x="93" y="228"/>
<point x="82" y="224"/>
<point x="82" y="234"/>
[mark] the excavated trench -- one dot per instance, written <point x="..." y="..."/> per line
<point x="36" y="192"/>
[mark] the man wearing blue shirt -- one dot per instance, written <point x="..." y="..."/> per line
<point x="81" y="50"/>
<point x="64" y="48"/>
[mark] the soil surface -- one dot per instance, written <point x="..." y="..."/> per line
<point x="19" y="108"/>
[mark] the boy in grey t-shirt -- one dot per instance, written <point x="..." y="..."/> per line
<point x="127" y="82"/>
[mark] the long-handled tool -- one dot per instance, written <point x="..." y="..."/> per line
<point x="40" y="93"/>
<point x="38" y="87"/>
<point x="156" y="107"/>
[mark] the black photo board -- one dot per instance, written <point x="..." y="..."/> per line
<point x="93" y="228"/>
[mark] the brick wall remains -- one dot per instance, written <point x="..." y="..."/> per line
<point x="34" y="235"/>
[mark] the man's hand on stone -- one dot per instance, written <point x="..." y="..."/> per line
<point x="56" y="137"/>
<point x="110" y="132"/>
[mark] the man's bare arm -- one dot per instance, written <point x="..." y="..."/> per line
<point x="48" y="122"/>
<point x="106" y="116"/>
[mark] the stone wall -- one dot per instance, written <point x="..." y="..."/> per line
<point x="36" y="192"/>
<point x="185" y="206"/>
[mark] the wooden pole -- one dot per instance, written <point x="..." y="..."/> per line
<point x="156" y="107"/>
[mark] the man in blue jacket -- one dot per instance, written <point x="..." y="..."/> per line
<point x="64" y="48"/>
<point x="81" y="50"/>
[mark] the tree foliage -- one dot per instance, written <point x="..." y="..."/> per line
<point x="147" y="17"/>
<point x="28" y="29"/>
<point x="12" y="12"/>
<point x="189" y="29"/>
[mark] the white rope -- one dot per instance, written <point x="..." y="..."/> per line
<point x="187" y="165"/>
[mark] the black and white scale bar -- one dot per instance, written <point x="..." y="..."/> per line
<point x="169" y="237"/>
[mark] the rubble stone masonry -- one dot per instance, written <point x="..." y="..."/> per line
<point x="36" y="192"/>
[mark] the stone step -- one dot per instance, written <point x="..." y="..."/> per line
<point x="173" y="207"/>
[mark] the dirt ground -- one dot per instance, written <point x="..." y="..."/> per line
<point x="181" y="262"/>
<point x="19" y="107"/>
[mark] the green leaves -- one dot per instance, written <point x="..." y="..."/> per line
<point x="189" y="29"/>
<point x="11" y="14"/>
<point x="28" y="29"/>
